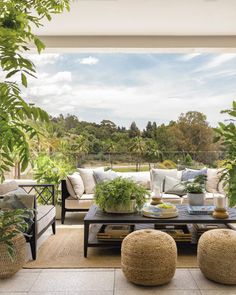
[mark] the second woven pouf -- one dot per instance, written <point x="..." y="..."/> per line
<point x="217" y="255"/>
<point x="148" y="257"/>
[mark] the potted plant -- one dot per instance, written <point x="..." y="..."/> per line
<point x="227" y="138"/>
<point x="120" y="195"/>
<point x="13" y="227"/>
<point x="196" y="190"/>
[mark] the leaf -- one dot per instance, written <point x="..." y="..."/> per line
<point x="39" y="44"/>
<point x="23" y="80"/>
<point x="10" y="74"/>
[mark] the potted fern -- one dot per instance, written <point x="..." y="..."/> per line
<point x="13" y="226"/>
<point x="120" y="195"/>
<point x="196" y="190"/>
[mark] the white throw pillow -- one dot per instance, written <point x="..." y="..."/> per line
<point x="8" y="186"/>
<point x="213" y="178"/>
<point x="75" y="185"/>
<point x="142" y="177"/>
<point x="158" y="176"/>
<point x="174" y="186"/>
<point x="88" y="178"/>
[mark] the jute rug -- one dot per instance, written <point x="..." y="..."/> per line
<point x="65" y="250"/>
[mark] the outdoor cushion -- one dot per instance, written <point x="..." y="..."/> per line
<point x="173" y="186"/>
<point x="101" y="176"/>
<point x="75" y="185"/>
<point x="142" y="177"/>
<point x="45" y="214"/>
<point x="213" y="180"/>
<point x="21" y="201"/>
<point x="158" y="176"/>
<point x="18" y="191"/>
<point x="7" y="187"/>
<point x="171" y="198"/>
<point x="191" y="173"/>
<point x="88" y="178"/>
<point x="84" y="203"/>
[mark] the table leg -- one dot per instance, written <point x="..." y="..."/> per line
<point x="86" y="238"/>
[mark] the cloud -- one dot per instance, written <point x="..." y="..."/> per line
<point x="44" y="58"/>
<point x="122" y="93"/>
<point x="217" y="61"/>
<point x="190" y="56"/>
<point x="90" y="60"/>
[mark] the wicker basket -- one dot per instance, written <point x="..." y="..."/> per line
<point x="7" y="266"/>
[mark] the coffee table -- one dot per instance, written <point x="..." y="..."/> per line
<point x="97" y="216"/>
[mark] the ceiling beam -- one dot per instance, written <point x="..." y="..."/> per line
<point x="139" y="42"/>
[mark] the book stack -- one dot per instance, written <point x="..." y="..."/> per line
<point x="200" y="210"/>
<point x="180" y="233"/>
<point x="113" y="232"/>
<point x="199" y="229"/>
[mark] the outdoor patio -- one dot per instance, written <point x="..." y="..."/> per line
<point x="105" y="281"/>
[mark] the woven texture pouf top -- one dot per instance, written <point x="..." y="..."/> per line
<point x="148" y="257"/>
<point x="217" y="255"/>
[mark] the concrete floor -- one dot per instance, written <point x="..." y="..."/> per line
<point x="103" y="281"/>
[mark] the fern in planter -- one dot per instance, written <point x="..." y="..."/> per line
<point x="119" y="192"/>
<point x="197" y="186"/>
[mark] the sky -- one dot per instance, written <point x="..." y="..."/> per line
<point x="133" y="87"/>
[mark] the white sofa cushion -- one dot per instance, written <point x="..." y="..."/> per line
<point x="88" y="178"/>
<point x="45" y="214"/>
<point x="213" y="180"/>
<point x="174" y="186"/>
<point x="142" y="177"/>
<point x="171" y="198"/>
<point x="75" y="185"/>
<point x="158" y="175"/>
<point x="101" y="176"/>
<point x="83" y="203"/>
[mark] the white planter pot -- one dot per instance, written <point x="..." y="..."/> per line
<point x="58" y="212"/>
<point x="122" y="208"/>
<point x="196" y="199"/>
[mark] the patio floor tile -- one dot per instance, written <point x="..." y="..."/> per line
<point x="205" y="284"/>
<point x="20" y="282"/>
<point x="74" y="281"/>
<point x="181" y="281"/>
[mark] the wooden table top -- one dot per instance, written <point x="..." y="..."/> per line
<point x="96" y="215"/>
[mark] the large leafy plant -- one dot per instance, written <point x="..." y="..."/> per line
<point x="197" y="186"/>
<point x="16" y="19"/>
<point x="51" y="170"/>
<point x="227" y="136"/>
<point x="119" y="191"/>
<point x="13" y="223"/>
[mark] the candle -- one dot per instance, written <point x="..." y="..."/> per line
<point x="156" y="191"/>
<point x="220" y="202"/>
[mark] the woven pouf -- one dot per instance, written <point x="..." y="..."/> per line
<point x="148" y="257"/>
<point x="217" y="255"/>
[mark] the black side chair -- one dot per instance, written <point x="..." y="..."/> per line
<point x="45" y="212"/>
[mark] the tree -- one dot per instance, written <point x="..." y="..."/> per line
<point x="227" y="136"/>
<point x="152" y="153"/>
<point x="137" y="148"/>
<point x="133" y="130"/>
<point x="16" y="19"/>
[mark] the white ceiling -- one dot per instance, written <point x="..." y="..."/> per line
<point x="145" y="17"/>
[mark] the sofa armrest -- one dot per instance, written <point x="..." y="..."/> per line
<point x="44" y="193"/>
